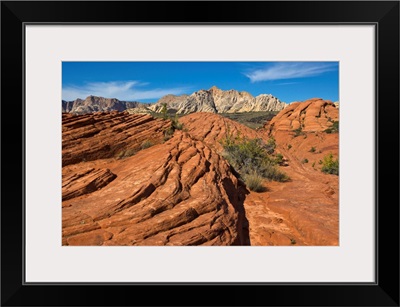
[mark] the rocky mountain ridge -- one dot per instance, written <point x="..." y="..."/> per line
<point x="213" y="100"/>
<point x="216" y="100"/>
<point x="93" y="104"/>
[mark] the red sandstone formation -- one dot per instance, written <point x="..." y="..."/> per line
<point x="180" y="192"/>
<point x="312" y="115"/>
<point x="211" y="128"/>
<point x="305" y="210"/>
<point x="105" y="135"/>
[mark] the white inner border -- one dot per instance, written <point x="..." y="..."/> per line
<point x="48" y="261"/>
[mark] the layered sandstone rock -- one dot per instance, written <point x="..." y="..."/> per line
<point x="106" y="135"/>
<point x="312" y="115"/>
<point x="85" y="181"/>
<point x="305" y="210"/>
<point x="213" y="128"/>
<point x="180" y="192"/>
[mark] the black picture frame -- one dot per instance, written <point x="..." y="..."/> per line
<point x="383" y="14"/>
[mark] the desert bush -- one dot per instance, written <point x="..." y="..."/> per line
<point x="270" y="146"/>
<point x="254" y="182"/>
<point x="146" y="144"/>
<point x="250" y="157"/>
<point x="330" y="165"/>
<point x="168" y="133"/>
<point x="334" y="128"/>
<point x="271" y="172"/>
<point x="164" y="110"/>
<point x="298" y="132"/>
<point x="304" y="161"/>
<point x="125" y="153"/>
<point x="175" y="125"/>
<point x="312" y="149"/>
<point x="289" y="146"/>
<point x="279" y="158"/>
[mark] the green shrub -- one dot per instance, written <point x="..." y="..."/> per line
<point x="175" y="125"/>
<point x="250" y="157"/>
<point x="146" y="144"/>
<point x="254" y="182"/>
<point x="164" y="110"/>
<point x="289" y="146"/>
<point x="125" y="153"/>
<point x="168" y="133"/>
<point x="279" y="158"/>
<point x="330" y="165"/>
<point x="333" y="129"/>
<point x="270" y="146"/>
<point x="271" y="172"/>
<point x="312" y="149"/>
<point x="304" y="161"/>
<point x="298" y="131"/>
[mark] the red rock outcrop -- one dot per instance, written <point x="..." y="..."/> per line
<point x="108" y="134"/>
<point x="212" y="128"/>
<point x="312" y="115"/>
<point x="85" y="181"/>
<point x="305" y="210"/>
<point x="180" y="192"/>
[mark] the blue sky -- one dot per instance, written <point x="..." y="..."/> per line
<point x="149" y="81"/>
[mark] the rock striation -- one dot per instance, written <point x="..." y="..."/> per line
<point x="177" y="192"/>
<point x="312" y="115"/>
<point x="305" y="210"/>
<point x="108" y="135"/>
<point x="216" y="100"/>
<point x="181" y="191"/>
<point x="212" y="128"/>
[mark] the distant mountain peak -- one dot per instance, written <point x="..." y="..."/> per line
<point x="93" y="104"/>
<point x="215" y="100"/>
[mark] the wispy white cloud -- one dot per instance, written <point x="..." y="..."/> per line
<point x="122" y="90"/>
<point x="290" y="70"/>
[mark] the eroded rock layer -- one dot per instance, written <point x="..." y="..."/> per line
<point x="304" y="210"/>
<point x="312" y="115"/>
<point x="213" y="128"/>
<point x="180" y="192"/>
<point x="108" y="134"/>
